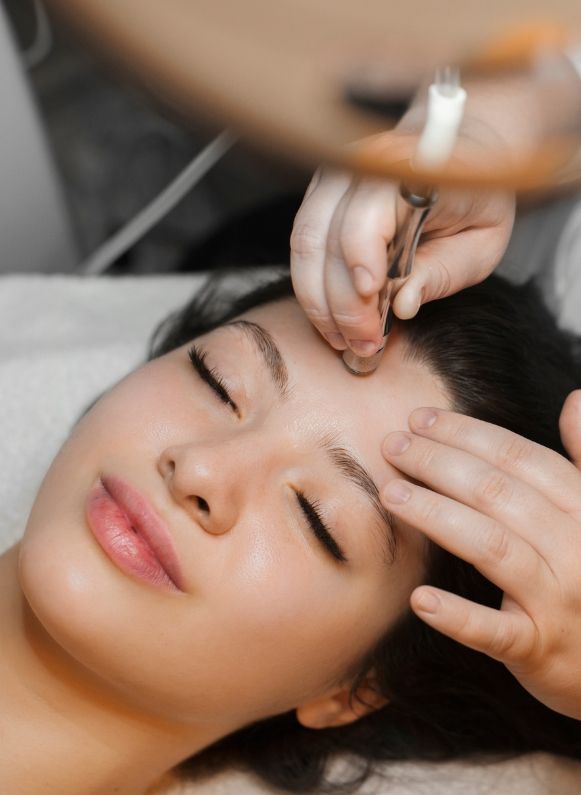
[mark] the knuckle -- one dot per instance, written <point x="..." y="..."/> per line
<point x="429" y="512"/>
<point x="425" y="459"/>
<point x="493" y="489"/>
<point x="317" y="316"/>
<point x="463" y="624"/>
<point x="504" y="641"/>
<point x="460" y="430"/>
<point x="354" y="319"/>
<point x="442" y="283"/>
<point x="495" y="544"/>
<point x="306" y="241"/>
<point x="513" y="454"/>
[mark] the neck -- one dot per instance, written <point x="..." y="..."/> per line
<point x="63" y="729"/>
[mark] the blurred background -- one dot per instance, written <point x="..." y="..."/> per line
<point x="112" y="149"/>
<point x="83" y="149"/>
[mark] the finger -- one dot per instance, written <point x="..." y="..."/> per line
<point x="544" y="470"/>
<point x="367" y="226"/>
<point x="509" y="637"/>
<point x="308" y="248"/>
<point x="502" y="556"/>
<point x="445" y="265"/>
<point x="483" y="487"/>
<point x="356" y="317"/>
<point x="314" y="183"/>
<point x="570" y="427"/>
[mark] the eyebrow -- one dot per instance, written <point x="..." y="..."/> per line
<point x="347" y="464"/>
<point x="355" y="472"/>
<point x="269" y="351"/>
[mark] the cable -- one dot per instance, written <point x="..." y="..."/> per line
<point x="137" y="227"/>
<point x="42" y="44"/>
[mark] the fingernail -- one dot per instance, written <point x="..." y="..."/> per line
<point x="427" y="602"/>
<point x="424" y="418"/>
<point x="363" y="347"/>
<point x="397" y="491"/>
<point x="364" y="282"/>
<point x="336" y="340"/>
<point x="397" y="443"/>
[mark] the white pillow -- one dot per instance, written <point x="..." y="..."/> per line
<point x="63" y="340"/>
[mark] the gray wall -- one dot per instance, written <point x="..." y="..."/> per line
<point x="34" y="230"/>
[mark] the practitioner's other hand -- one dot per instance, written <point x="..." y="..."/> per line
<point x="512" y="508"/>
<point x="339" y="240"/>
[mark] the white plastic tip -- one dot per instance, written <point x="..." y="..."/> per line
<point x="446" y="101"/>
<point x="447" y="80"/>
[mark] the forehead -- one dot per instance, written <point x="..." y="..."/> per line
<point x="361" y="410"/>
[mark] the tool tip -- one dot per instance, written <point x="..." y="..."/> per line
<point x="361" y="365"/>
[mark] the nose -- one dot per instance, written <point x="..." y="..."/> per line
<point x="205" y="480"/>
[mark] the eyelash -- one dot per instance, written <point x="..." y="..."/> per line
<point x="317" y="525"/>
<point x="310" y="509"/>
<point x="214" y="380"/>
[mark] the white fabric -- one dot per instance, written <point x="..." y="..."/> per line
<point x="63" y="340"/>
<point x="534" y="774"/>
<point x="568" y="272"/>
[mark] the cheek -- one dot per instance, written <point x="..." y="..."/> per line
<point x="272" y="621"/>
<point x="125" y="431"/>
<point x="112" y="435"/>
<point x="70" y="586"/>
<point x="294" y="623"/>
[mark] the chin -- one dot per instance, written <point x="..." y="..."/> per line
<point x="96" y="617"/>
<point x="63" y="583"/>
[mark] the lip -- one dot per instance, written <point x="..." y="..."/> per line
<point x="132" y="534"/>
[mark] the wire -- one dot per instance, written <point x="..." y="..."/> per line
<point x="42" y="44"/>
<point x="137" y="227"/>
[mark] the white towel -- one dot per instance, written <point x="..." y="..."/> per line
<point x="568" y="273"/>
<point x="63" y="340"/>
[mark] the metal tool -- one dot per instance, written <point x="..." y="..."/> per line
<point x="446" y="100"/>
<point x="400" y="257"/>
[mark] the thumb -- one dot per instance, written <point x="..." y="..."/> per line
<point x="445" y="265"/>
<point x="570" y="426"/>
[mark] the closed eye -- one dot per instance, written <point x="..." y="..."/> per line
<point x="319" y="528"/>
<point x="211" y="376"/>
<point x="310" y="510"/>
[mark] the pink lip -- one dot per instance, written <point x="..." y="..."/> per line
<point x="132" y="533"/>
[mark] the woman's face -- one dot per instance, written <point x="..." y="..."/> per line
<point x="241" y="470"/>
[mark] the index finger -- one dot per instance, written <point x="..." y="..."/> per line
<point x="544" y="469"/>
<point x="308" y="244"/>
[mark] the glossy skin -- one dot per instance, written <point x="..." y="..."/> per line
<point x="113" y="681"/>
<point x="269" y="620"/>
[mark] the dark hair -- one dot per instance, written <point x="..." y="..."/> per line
<point x="505" y="361"/>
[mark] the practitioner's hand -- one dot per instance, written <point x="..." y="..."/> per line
<point x="512" y="508"/>
<point x="338" y="249"/>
